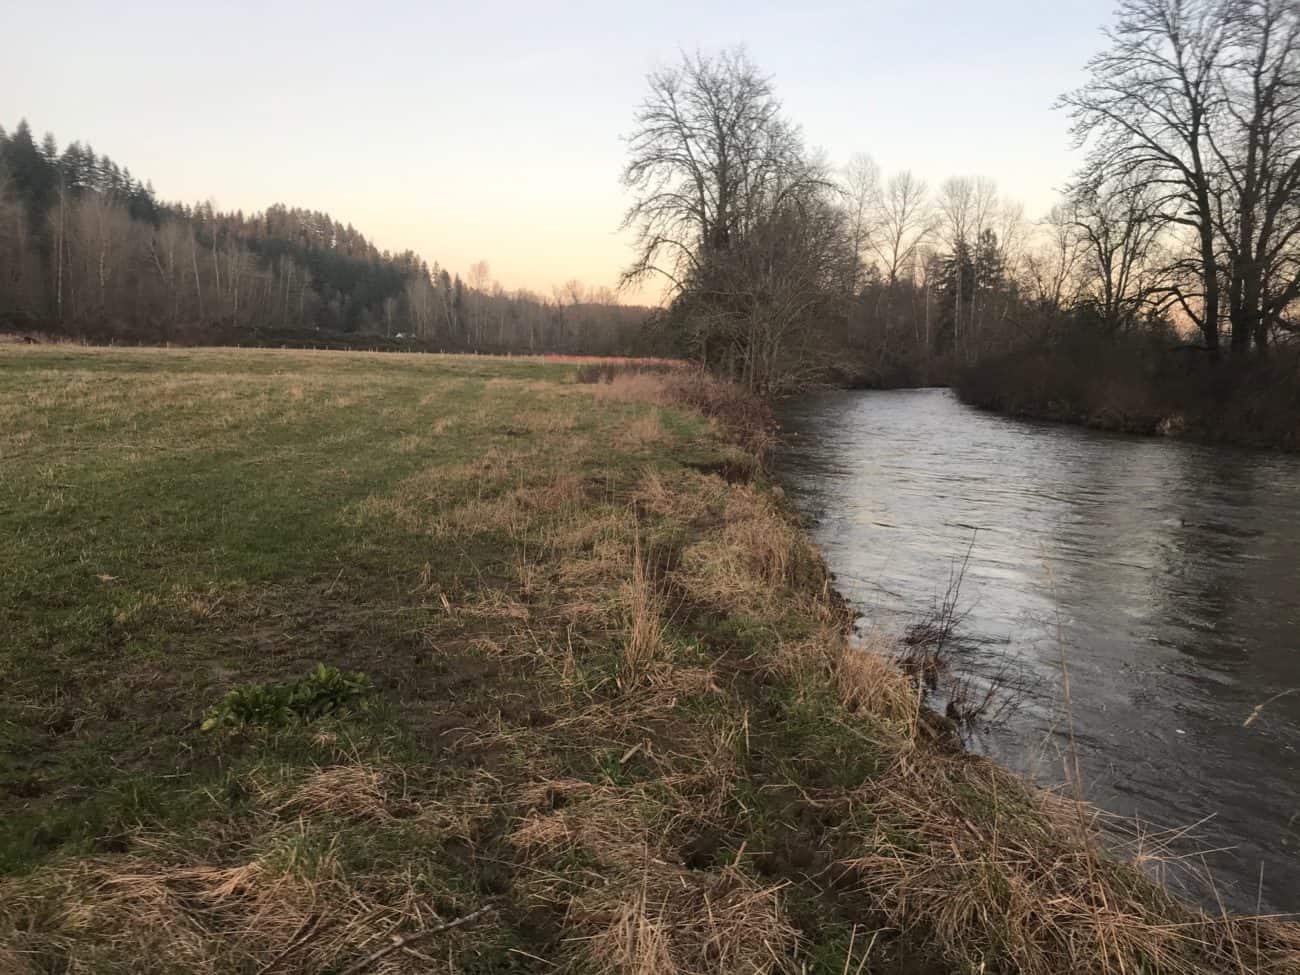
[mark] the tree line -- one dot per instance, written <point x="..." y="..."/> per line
<point x="1192" y="121"/>
<point x="777" y="267"/>
<point x="1183" y="220"/>
<point x="780" y="269"/>
<point x="87" y="249"/>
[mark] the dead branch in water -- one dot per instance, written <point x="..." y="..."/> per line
<point x="1259" y="708"/>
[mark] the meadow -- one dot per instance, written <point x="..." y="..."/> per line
<point x="342" y="662"/>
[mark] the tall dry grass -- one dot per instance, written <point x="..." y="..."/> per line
<point x="949" y="849"/>
<point x="745" y="418"/>
<point x="643" y="647"/>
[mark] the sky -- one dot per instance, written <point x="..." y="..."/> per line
<point x="494" y="131"/>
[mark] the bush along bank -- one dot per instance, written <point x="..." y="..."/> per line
<point x="618" y="726"/>
<point x="1146" y="386"/>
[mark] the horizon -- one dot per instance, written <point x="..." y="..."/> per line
<point x="492" y="175"/>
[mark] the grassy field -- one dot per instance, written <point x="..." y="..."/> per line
<point x="607" y="717"/>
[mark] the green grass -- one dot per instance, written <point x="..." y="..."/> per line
<point x="180" y="522"/>
<point x="181" y="525"/>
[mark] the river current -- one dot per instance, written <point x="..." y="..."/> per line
<point x="1158" y="580"/>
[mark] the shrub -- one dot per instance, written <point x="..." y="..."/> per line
<point x="604" y="371"/>
<point x="1146" y="383"/>
<point x="325" y="691"/>
<point x="745" y="417"/>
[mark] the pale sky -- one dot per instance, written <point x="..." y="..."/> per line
<point x="492" y="131"/>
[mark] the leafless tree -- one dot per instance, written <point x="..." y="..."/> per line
<point x="1255" y="143"/>
<point x="1052" y="269"/>
<point x="1119" y="227"/>
<point x="709" y="153"/>
<point x="794" y="266"/>
<point x="735" y="215"/>
<point x="1147" y="113"/>
<point x="1199" y="100"/>
<point x="905" y="221"/>
<point x="480" y="273"/>
<point x="967" y="209"/>
<point x="862" y="202"/>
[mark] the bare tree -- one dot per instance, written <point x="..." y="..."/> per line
<point x="480" y="273"/>
<point x="1256" y="146"/>
<point x="1119" y="226"/>
<point x="1147" y="112"/>
<point x="1051" y="270"/>
<point x="904" y="223"/>
<point x="709" y="149"/>
<point x="967" y="209"/>
<point x="791" y="271"/>
<point x="862" y="201"/>
<point x="729" y="209"/>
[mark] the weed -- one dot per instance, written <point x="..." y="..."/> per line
<point x="325" y="691"/>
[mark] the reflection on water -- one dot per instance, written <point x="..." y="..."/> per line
<point x="1165" y="576"/>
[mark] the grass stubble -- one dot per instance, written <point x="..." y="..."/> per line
<point x="621" y="725"/>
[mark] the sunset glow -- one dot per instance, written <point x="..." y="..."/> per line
<point x="493" y="131"/>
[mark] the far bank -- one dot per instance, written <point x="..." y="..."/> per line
<point x="1146" y="388"/>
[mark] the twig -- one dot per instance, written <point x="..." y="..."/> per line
<point x="300" y="938"/>
<point x="1262" y="704"/>
<point x="400" y="943"/>
<point x="334" y="583"/>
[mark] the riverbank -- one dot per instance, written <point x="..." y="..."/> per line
<point x="1142" y="387"/>
<point x="608" y="716"/>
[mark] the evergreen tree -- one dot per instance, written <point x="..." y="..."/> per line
<point x="33" y="176"/>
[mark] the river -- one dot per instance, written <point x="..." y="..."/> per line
<point x="1162" y="578"/>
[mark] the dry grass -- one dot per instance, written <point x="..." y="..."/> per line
<point x="353" y="791"/>
<point x="754" y="559"/>
<point x="681" y="497"/>
<point x="1001" y="877"/>
<point x="621" y="710"/>
<point x="868" y="682"/>
<point x="676" y="924"/>
<point x="743" y="418"/>
<point x="278" y="888"/>
<point x="157" y="903"/>
<point x="643" y="649"/>
<point x="636" y="387"/>
<point x="636" y="909"/>
<point x="774" y="551"/>
<point x="646" y="430"/>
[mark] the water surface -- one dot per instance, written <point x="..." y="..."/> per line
<point x="1162" y="577"/>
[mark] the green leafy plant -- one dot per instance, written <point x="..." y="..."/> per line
<point x="325" y="691"/>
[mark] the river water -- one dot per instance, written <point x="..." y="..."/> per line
<point x="1159" y="580"/>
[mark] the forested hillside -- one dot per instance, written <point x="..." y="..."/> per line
<point x="88" y="250"/>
